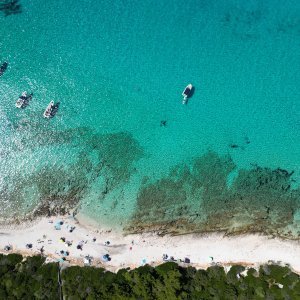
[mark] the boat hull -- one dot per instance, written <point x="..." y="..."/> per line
<point x="186" y="93"/>
<point x="48" y="110"/>
<point x="21" y="102"/>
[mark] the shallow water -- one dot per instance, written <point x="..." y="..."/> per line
<point x="118" y="69"/>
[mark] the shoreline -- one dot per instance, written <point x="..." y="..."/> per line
<point x="134" y="250"/>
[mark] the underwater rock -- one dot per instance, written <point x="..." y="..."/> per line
<point x="260" y="200"/>
<point x="60" y="187"/>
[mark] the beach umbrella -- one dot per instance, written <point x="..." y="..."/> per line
<point x="57" y="226"/>
<point x="106" y="257"/>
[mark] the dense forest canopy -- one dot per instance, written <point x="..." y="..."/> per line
<point x="32" y="278"/>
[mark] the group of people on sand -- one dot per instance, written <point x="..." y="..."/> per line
<point x="80" y="245"/>
<point x="171" y="258"/>
<point x="62" y="253"/>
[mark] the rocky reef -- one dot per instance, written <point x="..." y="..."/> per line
<point x="59" y="186"/>
<point x="197" y="198"/>
<point x="194" y="197"/>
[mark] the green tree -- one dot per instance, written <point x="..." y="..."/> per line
<point x="167" y="284"/>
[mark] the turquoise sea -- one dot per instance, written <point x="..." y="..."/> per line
<point x="228" y="160"/>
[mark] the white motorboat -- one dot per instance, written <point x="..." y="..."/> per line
<point x="22" y="100"/>
<point x="48" y="111"/>
<point x="51" y="109"/>
<point x="186" y="93"/>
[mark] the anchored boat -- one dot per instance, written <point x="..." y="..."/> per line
<point x="48" y="110"/>
<point x="186" y="93"/>
<point x="23" y="100"/>
<point x="51" y="110"/>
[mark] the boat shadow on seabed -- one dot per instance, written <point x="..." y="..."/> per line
<point x="55" y="109"/>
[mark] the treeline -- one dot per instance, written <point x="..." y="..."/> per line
<point x="31" y="278"/>
<point x="28" y="278"/>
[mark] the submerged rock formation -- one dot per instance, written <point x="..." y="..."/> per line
<point x="58" y="185"/>
<point x="196" y="198"/>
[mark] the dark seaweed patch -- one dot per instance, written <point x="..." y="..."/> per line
<point x="196" y="198"/>
<point x="58" y="190"/>
<point x="246" y="23"/>
<point x="10" y="7"/>
<point x="3" y="68"/>
<point x="116" y="152"/>
<point x="243" y="23"/>
<point x="288" y="25"/>
<point x="59" y="187"/>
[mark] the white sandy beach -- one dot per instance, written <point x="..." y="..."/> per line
<point x="134" y="250"/>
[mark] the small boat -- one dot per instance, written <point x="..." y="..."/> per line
<point x="3" y="68"/>
<point x="186" y="93"/>
<point x="51" y="109"/>
<point x="48" y="111"/>
<point x="23" y="100"/>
